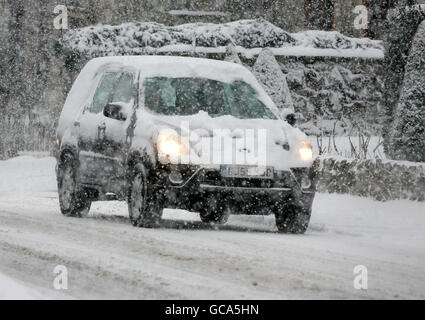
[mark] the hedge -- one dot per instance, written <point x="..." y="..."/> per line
<point x="378" y="179"/>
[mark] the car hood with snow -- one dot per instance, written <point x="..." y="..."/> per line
<point x="211" y="141"/>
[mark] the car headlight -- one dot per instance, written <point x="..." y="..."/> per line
<point x="169" y="146"/>
<point x="305" y="152"/>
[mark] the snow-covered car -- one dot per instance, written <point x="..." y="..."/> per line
<point x="176" y="132"/>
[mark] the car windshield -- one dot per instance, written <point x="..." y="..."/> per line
<point x="189" y="96"/>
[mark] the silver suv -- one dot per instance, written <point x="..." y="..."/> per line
<point x="173" y="132"/>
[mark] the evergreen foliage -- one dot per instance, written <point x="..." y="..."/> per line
<point x="403" y="23"/>
<point x="408" y="129"/>
<point x="270" y="75"/>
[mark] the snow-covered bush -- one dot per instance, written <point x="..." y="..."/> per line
<point x="403" y="23"/>
<point x="381" y="180"/>
<point x="336" y="96"/>
<point x="148" y="37"/>
<point x="133" y="38"/>
<point x="333" y="40"/>
<point x="407" y="137"/>
<point x="269" y="73"/>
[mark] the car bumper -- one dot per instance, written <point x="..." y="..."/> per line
<point x="253" y="196"/>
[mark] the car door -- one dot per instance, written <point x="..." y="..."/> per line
<point x="114" y="138"/>
<point x="90" y="129"/>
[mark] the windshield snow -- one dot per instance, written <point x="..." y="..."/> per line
<point x="189" y="96"/>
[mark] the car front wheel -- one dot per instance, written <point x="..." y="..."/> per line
<point x="293" y="217"/>
<point x="143" y="205"/>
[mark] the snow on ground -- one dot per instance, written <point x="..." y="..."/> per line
<point x="246" y="259"/>
<point x="12" y="289"/>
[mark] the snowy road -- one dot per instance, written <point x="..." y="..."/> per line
<point x="108" y="258"/>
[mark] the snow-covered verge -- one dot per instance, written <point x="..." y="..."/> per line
<point x="27" y="174"/>
<point x="382" y="180"/>
<point x="184" y="259"/>
<point x="248" y="35"/>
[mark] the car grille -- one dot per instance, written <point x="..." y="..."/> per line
<point x="214" y="178"/>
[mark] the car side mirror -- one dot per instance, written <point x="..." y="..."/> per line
<point x="291" y="119"/>
<point x="114" y="111"/>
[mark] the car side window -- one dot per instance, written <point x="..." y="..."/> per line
<point x="103" y="92"/>
<point x="124" y="90"/>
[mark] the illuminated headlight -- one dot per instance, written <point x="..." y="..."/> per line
<point x="305" y="152"/>
<point x="58" y="143"/>
<point x="169" y="146"/>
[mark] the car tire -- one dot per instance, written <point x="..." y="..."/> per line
<point x="143" y="205"/>
<point x="292" y="218"/>
<point x="74" y="201"/>
<point x="214" y="212"/>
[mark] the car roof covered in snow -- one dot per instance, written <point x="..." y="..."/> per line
<point x="172" y="66"/>
<point x="153" y="66"/>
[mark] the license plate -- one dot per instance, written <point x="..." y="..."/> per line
<point x="247" y="172"/>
